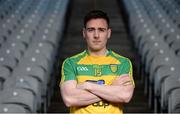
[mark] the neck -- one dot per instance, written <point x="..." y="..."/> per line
<point x="97" y="52"/>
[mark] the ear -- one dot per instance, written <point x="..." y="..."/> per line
<point x="83" y="31"/>
<point x="109" y="33"/>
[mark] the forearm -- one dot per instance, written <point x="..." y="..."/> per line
<point x="83" y="98"/>
<point x="78" y="97"/>
<point x="112" y="93"/>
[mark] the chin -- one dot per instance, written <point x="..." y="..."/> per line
<point x="96" y="49"/>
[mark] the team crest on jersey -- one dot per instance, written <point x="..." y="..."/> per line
<point x="114" y="67"/>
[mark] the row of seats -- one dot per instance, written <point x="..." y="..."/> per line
<point x="155" y="28"/>
<point x="30" y="36"/>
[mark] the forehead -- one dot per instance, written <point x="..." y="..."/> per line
<point x="97" y="23"/>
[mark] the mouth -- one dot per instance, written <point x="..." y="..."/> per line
<point x="96" y="42"/>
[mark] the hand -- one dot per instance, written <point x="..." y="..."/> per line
<point x="84" y="85"/>
<point x="123" y="80"/>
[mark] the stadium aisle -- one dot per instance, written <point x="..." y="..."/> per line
<point x="119" y="42"/>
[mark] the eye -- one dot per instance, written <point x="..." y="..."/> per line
<point x="102" y="29"/>
<point x="90" y="29"/>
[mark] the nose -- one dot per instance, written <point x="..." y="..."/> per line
<point x="96" y="34"/>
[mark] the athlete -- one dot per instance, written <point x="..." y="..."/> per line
<point x="98" y="80"/>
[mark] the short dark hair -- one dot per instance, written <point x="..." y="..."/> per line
<point x="94" y="14"/>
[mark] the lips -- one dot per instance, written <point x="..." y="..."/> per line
<point x="96" y="42"/>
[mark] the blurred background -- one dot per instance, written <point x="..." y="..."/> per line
<point x="37" y="35"/>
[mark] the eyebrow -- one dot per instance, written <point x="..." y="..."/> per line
<point x="101" y="28"/>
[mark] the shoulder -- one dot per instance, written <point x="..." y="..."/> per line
<point x="120" y="58"/>
<point x="75" y="58"/>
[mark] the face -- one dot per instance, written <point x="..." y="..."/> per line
<point x="96" y="34"/>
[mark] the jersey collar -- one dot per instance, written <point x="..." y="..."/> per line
<point x="107" y="52"/>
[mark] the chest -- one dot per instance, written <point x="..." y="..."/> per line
<point x="101" y="74"/>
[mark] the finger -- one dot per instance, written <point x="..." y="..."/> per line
<point x="124" y="79"/>
<point x="121" y="80"/>
<point x="127" y="83"/>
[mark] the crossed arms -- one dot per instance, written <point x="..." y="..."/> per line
<point x="86" y="93"/>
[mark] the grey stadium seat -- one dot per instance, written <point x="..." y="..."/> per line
<point x="31" y="58"/>
<point x="19" y="96"/>
<point x="8" y="61"/>
<point x="159" y="77"/>
<point x="12" y="52"/>
<point x="12" y="108"/>
<point x="4" y="74"/>
<point x="26" y="82"/>
<point x="170" y="83"/>
<point x="174" y="101"/>
<point x="43" y="48"/>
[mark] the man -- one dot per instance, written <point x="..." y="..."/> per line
<point x="97" y="80"/>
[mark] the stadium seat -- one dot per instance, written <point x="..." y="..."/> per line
<point x="154" y="27"/>
<point x="175" y="46"/>
<point x="35" y="59"/>
<point x="161" y="74"/>
<point x="4" y="74"/>
<point x="12" y="108"/>
<point x="43" y="48"/>
<point x="26" y="82"/>
<point x="174" y="101"/>
<point x="171" y="38"/>
<point x="158" y="62"/>
<point x="12" y="52"/>
<point x="30" y="36"/>
<point x="36" y="72"/>
<point x="170" y="83"/>
<point x="19" y="96"/>
<point x="8" y="61"/>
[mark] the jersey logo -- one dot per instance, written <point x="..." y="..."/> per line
<point x="114" y="67"/>
<point x="99" y="82"/>
<point x="82" y="68"/>
<point x="101" y="104"/>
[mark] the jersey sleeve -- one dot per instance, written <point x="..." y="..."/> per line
<point x="67" y="71"/>
<point x="127" y="69"/>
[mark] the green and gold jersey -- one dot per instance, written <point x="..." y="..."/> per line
<point x="99" y="69"/>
